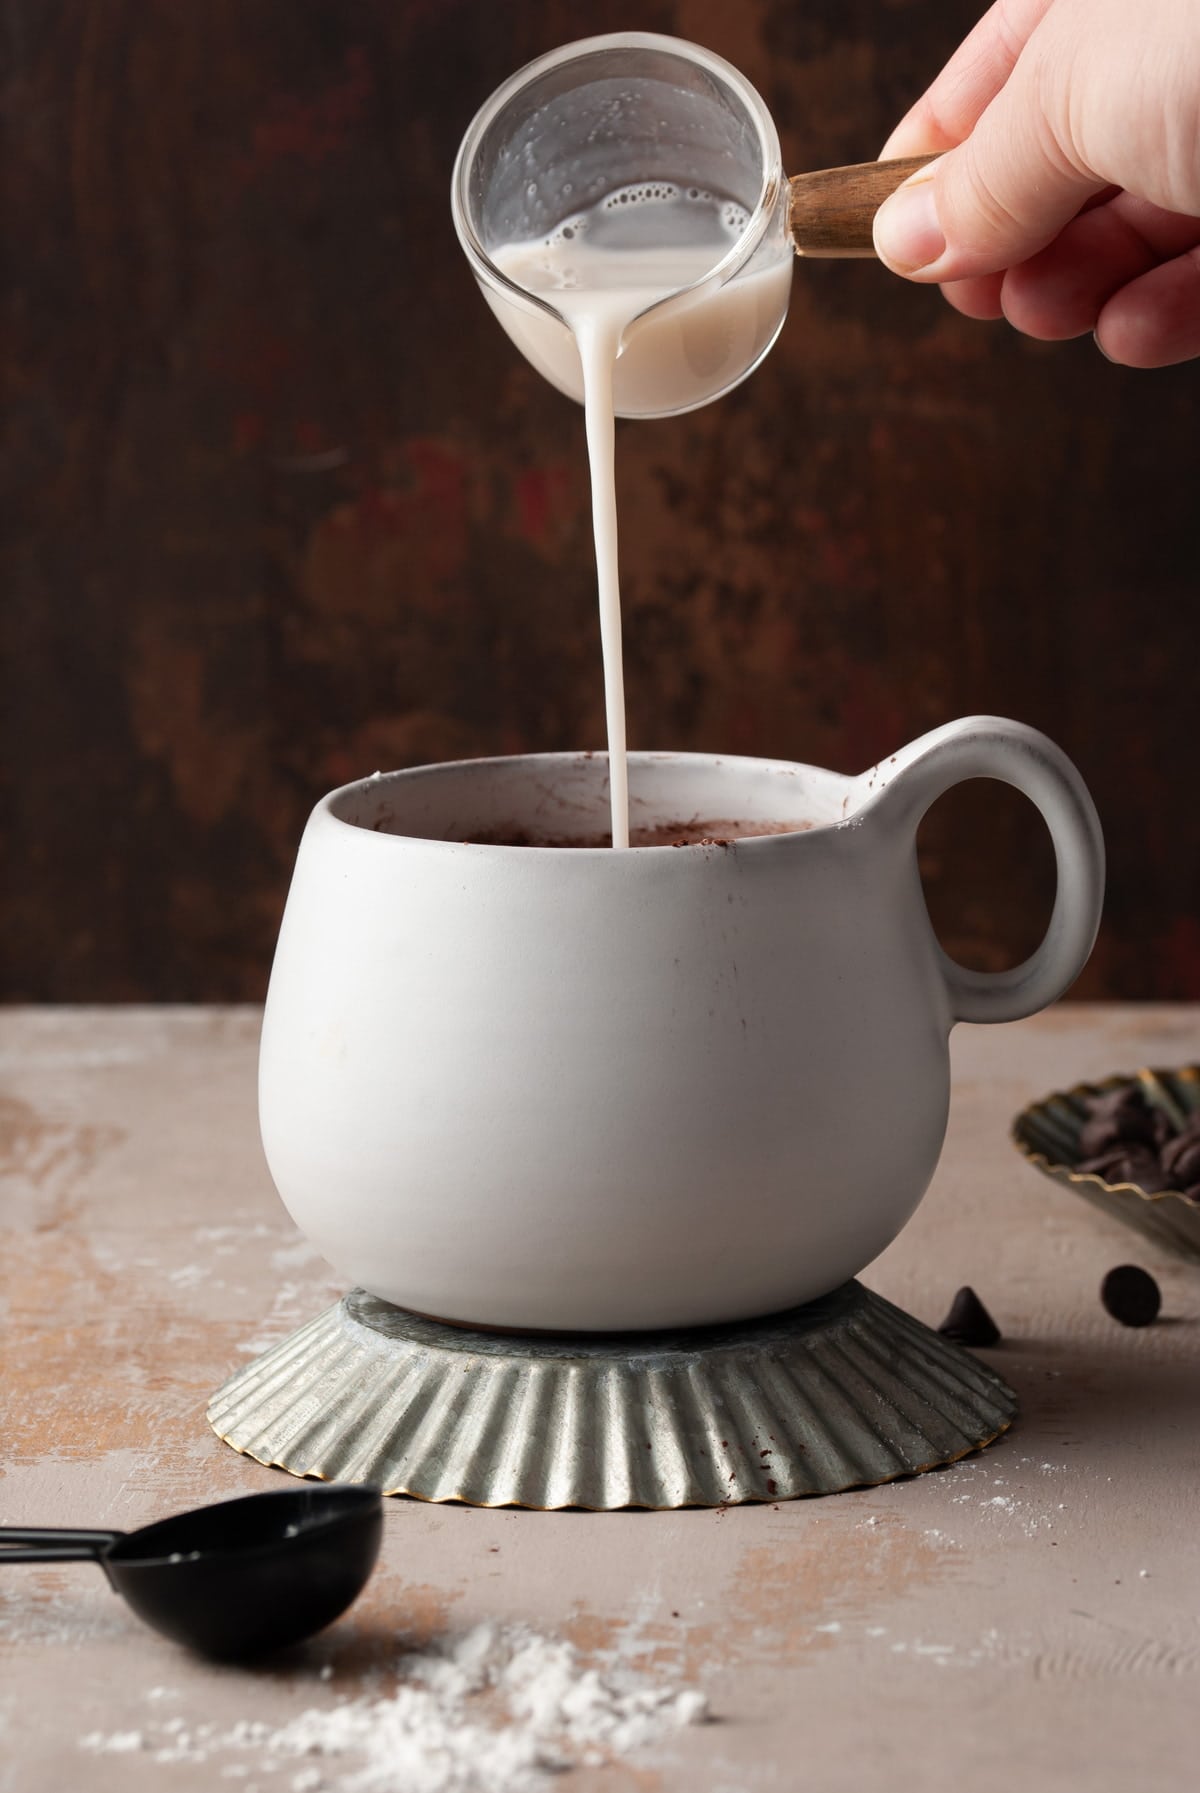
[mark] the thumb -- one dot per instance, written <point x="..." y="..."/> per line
<point x="993" y="201"/>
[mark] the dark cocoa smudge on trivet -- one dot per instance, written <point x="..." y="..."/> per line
<point x="1126" y="1139"/>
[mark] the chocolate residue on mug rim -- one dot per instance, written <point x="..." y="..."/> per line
<point x="663" y="834"/>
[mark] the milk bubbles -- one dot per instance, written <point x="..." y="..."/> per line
<point x="651" y="215"/>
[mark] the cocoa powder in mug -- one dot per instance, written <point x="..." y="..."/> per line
<point x="664" y="834"/>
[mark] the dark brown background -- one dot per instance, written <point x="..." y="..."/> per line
<point x="288" y="507"/>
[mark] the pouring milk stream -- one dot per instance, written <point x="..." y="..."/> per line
<point x="623" y="205"/>
<point x="635" y="253"/>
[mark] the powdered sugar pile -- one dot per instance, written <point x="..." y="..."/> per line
<point x="497" y="1710"/>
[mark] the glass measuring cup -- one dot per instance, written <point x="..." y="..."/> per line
<point x="635" y="109"/>
<point x="612" y="113"/>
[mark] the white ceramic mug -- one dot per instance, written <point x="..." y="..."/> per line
<point x="572" y="1088"/>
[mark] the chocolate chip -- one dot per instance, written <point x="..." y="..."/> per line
<point x="1126" y="1139"/>
<point x="1181" y="1158"/>
<point x="1163" y="1128"/>
<point x="1123" y="1164"/>
<point x="1132" y="1126"/>
<point x="1152" y="1179"/>
<point x="968" y="1322"/>
<point x="1110" y="1164"/>
<point x="1122" y="1097"/>
<point x="1131" y="1295"/>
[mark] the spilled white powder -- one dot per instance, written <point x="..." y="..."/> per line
<point x="498" y="1710"/>
<point x="117" y="1743"/>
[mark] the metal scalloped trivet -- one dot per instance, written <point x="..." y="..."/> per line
<point x="844" y="1392"/>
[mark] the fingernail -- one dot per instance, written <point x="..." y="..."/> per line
<point x="908" y="234"/>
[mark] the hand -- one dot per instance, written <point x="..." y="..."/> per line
<point x="1069" y="196"/>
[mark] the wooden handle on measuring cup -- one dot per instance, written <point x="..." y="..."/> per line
<point x="832" y="209"/>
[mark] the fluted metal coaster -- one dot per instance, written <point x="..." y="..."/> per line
<point x="844" y="1392"/>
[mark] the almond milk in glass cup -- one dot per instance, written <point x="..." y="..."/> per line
<point x="651" y="118"/>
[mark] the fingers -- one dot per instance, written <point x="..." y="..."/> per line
<point x="999" y="197"/>
<point x="1155" y="320"/>
<point x="1127" y="271"/>
<point x="1061" y="292"/>
<point x="970" y="81"/>
<point x="1022" y="215"/>
<point x="978" y="298"/>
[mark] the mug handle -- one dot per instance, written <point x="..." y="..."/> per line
<point x="899" y="791"/>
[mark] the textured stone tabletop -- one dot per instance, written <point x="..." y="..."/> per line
<point x="1029" y="1617"/>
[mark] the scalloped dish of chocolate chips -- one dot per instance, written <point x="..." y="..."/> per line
<point x="1130" y="1146"/>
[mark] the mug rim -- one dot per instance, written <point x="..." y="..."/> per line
<point x="326" y="807"/>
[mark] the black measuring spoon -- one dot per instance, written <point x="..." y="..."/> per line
<point x="237" y="1579"/>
